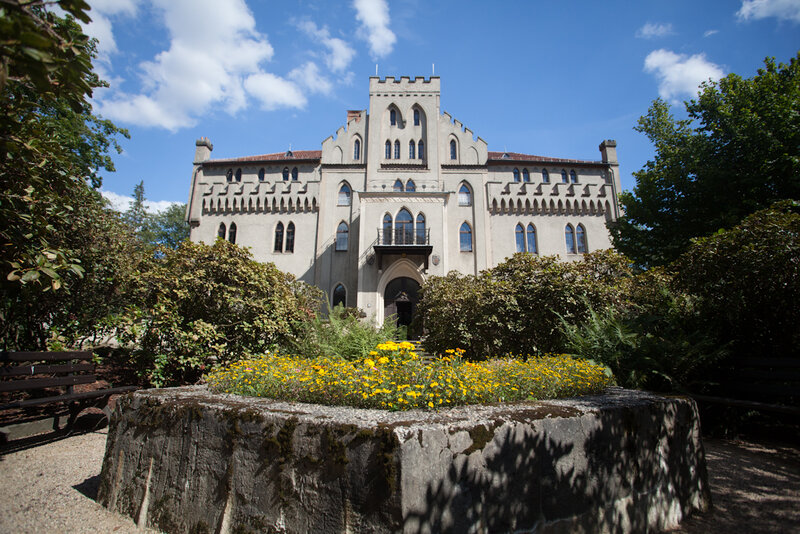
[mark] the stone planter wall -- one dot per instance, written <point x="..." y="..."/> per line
<point x="186" y="460"/>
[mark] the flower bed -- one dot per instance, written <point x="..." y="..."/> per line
<point x="395" y="378"/>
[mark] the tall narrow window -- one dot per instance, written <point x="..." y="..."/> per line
<point x="229" y="175"/>
<point x="397" y="150"/>
<point x="465" y="238"/>
<point x="569" y="233"/>
<point x="412" y="152"/>
<point x="285" y="173"/>
<point x="573" y="177"/>
<point x="339" y="297"/>
<point x="464" y="196"/>
<point x="416" y="117"/>
<point x="279" y="238"/>
<point x="580" y="232"/>
<point x="261" y="173"/>
<point x="221" y="231"/>
<point x="342" y="233"/>
<point x="387" y="230"/>
<point x="357" y="150"/>
<point x="516" y="175"/>
<point x="387" y="153"/>
<point x="563" y="176"/>
<point x="545" y="176"/>
<point x="411" y="186"/>
<point x="294" y="173"/>
<point x="290" y="237"/>
<point x="421" y="229"/>
<point x="393" y="117"/>
<point x="345" y="195"/>
<point x="398" y="186"/>
<point x="403" y="224"/>
<point x="238" y="175"/>
<point x="232" y="233"/>
<point x="519" y="237"/>
<point x="526" y="176"/>
<point x="421" y="149"/>
<point x="532" y="239"/>
<point x="453" y="149"/>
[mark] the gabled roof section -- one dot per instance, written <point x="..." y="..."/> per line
<point x="291" y="155"/>
<point x="505" y="157"/>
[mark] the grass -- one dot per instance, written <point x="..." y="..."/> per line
<point x="394" y="378"/>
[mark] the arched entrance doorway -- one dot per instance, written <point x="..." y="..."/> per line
<point x="400" y="299"/>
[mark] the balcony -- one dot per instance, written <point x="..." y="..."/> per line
<point x="403" y="242"/>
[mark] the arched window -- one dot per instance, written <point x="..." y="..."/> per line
<point x="580" y="232"/>
<point x="421" y="150"/>
<point x="387" y="153"/>
<point x="279" y="238"/>
<point x="464" y="196"/>
<point x="357" y="150"/>
<point x="564" y="176"/>
<point x="397" y="149"/>
<point x="519" y="237"/>
<point x="398" y="186"/>
<point x="294" y="173"/>
<point x="545" y="176"/>
<point x="393" y="117"/>
<point x="229" y="175"/>
<point x="261" y="173"/>
<point x="516" y="175"/>
<point x="465" y="237"/>
<point x="238" y="175"/>
<point x="421" y="229"/>
<point x="532" y="239"/>
<point x="411" y="186"/>
<point x="403" y="228"/>
<point x="569" y="233"/>
<point x="290" y="237"/>
<point x="285" y="173"/>
<point x="573" y="177"/>
<point x="453" y="149"/>
<point x="232" y="233"/>
<point x="344" y="195"/>
<point x="387" y="230"/>
<point x="412" y="152"/>
<point x="221" y="231"/>
<point x="526" y="176"/>
<point x="339" y="297"/>
<point x="416" y="117"/>
<point x="342" y="233"/>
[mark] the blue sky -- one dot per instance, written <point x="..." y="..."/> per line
<point x="545" y="78"/>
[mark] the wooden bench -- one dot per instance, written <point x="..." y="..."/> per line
<point x="59" y="371"/>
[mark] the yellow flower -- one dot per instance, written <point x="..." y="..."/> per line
<point x="383" y="360"/>
<point x="369" y="363"/>
<point x="430" y="404"/>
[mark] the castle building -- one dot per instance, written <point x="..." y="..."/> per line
<point x="400" y="193"/>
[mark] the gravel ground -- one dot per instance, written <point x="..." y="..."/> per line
<point x="51" y="487"/>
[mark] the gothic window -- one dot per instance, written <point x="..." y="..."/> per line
<point x="397" y="149"/>
<point x="519" y="236"/>
<point x="290" y="237"/>
<point x="339" y="297"/>
<point x="403" y="224"/>
<point x="421" y="149"/>
<point x="357" y="150"/>
<point x="294" y="173"/>
<point x="545" y="176"/>
<point x="393" y="117"/>
<point x="416" y="117"/>
<point x="464" y="196"/>
<point x="580" y="232"/>
<point x="285" y="173"/>
<point x="516" y="175"/>
<point x="564" y="176"/>
<point x="412" y="154"/>
<point x="532" y="239"/>
<point x="232" y="233"/>
<point x="421" y="229"/>
<point x="279" y="238"/>
<point x="261" y="173"/>
<point x="411" y="186"/>
<point x="573" y="177"/>
<point x="569" y="234"/>
<point x="229" y="175"/>
<point x="465" y="237"/>
<point x="453" y="149"/>
<point x="344" y="195"/>
<point x="387" y="153"/>
<point x="342" y="233"/>
<point x="526" y="176"/>
<point x="387" y="230"/>
<point x="221" y="231"/>
<point x="238" y="175"/>
<point x="398" y="186"/>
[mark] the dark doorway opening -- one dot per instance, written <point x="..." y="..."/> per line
<point x="400" y="299"/>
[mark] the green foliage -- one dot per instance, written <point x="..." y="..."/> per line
<point x="341" y="334"/>
<point x="169" y="227"/>
<point x="201" y="304"/>
<point x="738" y="151"/>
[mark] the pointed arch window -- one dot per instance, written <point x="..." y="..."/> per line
<point x="221" y="231"/>
<point x="398" y="186"/>
<point x="465" y="237"/>
<point x="285" y="173"/>
<point x="519" y="237"/>
<point x="345" y="195"/>
<point x="526" y="176"/>
<point x="393" y="117"/>
<point x="545" y="176"/>
<point x="564" y="179"/>
<point x="412" y="152"/>
<point x="416" y="117"/>
<point x="421" y="149"/>
<point x="387" y="230"/>
<point x="532" y="239"/>
<point x="232" y="233"/>
<point x="397" y="149"/>
<point x="516" y="175"/>
<point x="357" y="150"/>
<point x="387" y="153"/>
<point x="464" y="196"/>
<point x="411" y="186"/>
<point x="569" y="234"/>
<point x="294" y="173"/>
<point x="403" y="225"/>
<point x="580" y="233"/>
<point x="238" y="175"/>
<point x="261" y="173"/>
<point x="420" y="229"/>
<point x="290" y="237"/>
<point x="229" y="175"/>
<point x="339" y="297"/>
<point x="342" y="234"/>
<point x="453" y="149"/>
<point x="279" y="238"/>
<point x="573" y="177"/>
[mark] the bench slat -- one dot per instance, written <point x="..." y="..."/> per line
<point x="69" y="398"/>
<point x="38" y="383"/>
<point x="30" y="370"/>
<point x="44" y="356"/>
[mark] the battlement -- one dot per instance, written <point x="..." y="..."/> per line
<point x="404" y="83"/>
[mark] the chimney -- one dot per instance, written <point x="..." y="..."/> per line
<point x="203" y="151"/>
<point x="354" y="114"/>
<point x="608" y="150"/>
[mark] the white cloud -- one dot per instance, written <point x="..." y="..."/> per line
<point x="709" y="33"/>
<point x="340" y="54"/>
<point x="374" y="18"/>
<point x="308" y="76"/>
<point x="122" y="202"/>
<point x="274" y="92"/>
<point x="652" y="31"/>
<point x="679" y="74"/>
<point x="761" y="9"/>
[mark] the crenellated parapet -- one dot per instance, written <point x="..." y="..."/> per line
<point x="261" y="197"/>
<point x="550" y="199"/>
<point x="458" y="144"/>
<point x="348" y="145"/>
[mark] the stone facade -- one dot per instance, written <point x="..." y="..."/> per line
<point x="401" y="192"/>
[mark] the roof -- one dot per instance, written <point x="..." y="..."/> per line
<point x="516" y="156"/>
<point x="289" y="155"/>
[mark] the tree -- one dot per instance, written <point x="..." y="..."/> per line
<point x="136" y="215"/>
<point x="169" y="227"/>
<point x="738" y="151"/>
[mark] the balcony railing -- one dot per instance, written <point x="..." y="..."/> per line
<point x="403" y="237"/>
